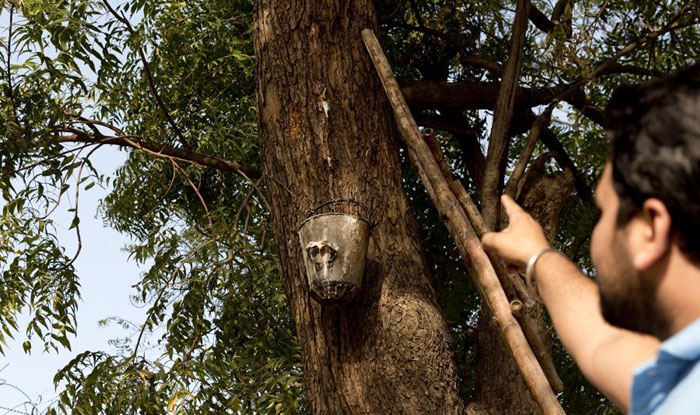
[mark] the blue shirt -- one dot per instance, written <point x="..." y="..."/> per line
<point x="670" y="383"/>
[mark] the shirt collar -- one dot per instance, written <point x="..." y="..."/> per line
<point x="654" y="379"/>
<point x="684" y="344"/>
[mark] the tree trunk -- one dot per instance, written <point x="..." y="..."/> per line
<point x="326" y="132"/>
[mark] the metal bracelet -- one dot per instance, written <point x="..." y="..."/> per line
<point x="530" y="269"/>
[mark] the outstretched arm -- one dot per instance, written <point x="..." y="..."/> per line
<point x="607" y="355"/>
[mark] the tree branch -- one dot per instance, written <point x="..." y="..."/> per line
<point x="416" y="12"/>
<point x="503" y="112"/>
<point x="10" y="93"/>
<point x="611" y="65"/>
<point x="465" y="95"/>
<point x="149" y="78"/>
<point x="553" y="144"/>
<point x="465" y="57"/>
<point x="443" y="122"/>
<point x="541" y="122"/>
<point x="159" y="150"/>
<point x="540" y="20"/>
<point x="558" y="10"/>
<point x="637" y="70"/>
<point x="76" y="220"/>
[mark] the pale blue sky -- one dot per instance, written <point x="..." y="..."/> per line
<point x="106" y="277"/>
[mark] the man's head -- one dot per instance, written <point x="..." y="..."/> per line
<point x="649" y="196"/>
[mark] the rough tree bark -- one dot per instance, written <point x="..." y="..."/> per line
<point x="326" y="132"/>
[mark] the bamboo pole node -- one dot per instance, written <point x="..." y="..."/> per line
<point x="517" y="307"/>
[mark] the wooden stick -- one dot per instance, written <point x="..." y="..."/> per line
<point x="512" y="283"/>
<point x="533" y="337"/>
<point x="462" y="232"/>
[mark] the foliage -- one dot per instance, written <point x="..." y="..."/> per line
<point x="212" y="286"/>
<point x="173" y="82"/>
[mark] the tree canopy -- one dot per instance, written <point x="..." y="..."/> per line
<point x="172" y="84"/>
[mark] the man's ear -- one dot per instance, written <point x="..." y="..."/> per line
<point x="653" y="223"/>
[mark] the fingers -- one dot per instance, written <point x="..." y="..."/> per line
<point x="511" y="207"/>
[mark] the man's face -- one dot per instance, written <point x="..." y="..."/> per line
<point x="627" y="297"/>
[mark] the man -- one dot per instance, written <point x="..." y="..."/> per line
<point x="636" y="333"/>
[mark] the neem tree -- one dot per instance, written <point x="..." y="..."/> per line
<point x="213" y="200"/>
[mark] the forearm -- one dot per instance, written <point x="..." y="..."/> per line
<point x="605" y="354"/>
<point x="572" y="301"/>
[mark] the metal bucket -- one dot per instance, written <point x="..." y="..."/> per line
<point x="335" y="250"/>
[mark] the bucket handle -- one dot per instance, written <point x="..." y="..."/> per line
<point x="336" y="201"/>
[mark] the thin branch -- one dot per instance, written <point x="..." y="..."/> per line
<point x="44" y="160"/>
<point x="465" y="57"/>
<point x="244" y="204"/>
<point x="162" y="150"/>
<point x="10" y="93"/>
<point x="149" y="78"/>
<point x="637" y="70"/>
<point x="76" y="207"/>
<point x="589" y="28"/>
<point x="541" y="122"/>
<point x="161" y="293"/>
<point x="196" y="191"/>
<point x="416" y="12"/>
<point x="540" y="20"/>
<point x="558" y="12"/>
<point x="550" y="140"/>
<point x="503" y="112"/>
<point x="611" y="63"/>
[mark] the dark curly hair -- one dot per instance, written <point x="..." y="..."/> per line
<point x="654" y="130"/>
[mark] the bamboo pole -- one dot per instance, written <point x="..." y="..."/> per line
<point x="462" y="232"/>
<point x="512" y="283"/>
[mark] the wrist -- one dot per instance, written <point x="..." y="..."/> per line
<point x="530" y="269"/>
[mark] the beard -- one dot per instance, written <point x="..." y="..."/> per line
<point x="629" y="301"/>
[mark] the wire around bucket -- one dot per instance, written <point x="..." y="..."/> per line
<point x="368" y="215"/>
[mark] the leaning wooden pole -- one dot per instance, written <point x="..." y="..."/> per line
<point x="462" y="232"/>
<point x="511" y="283"/>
